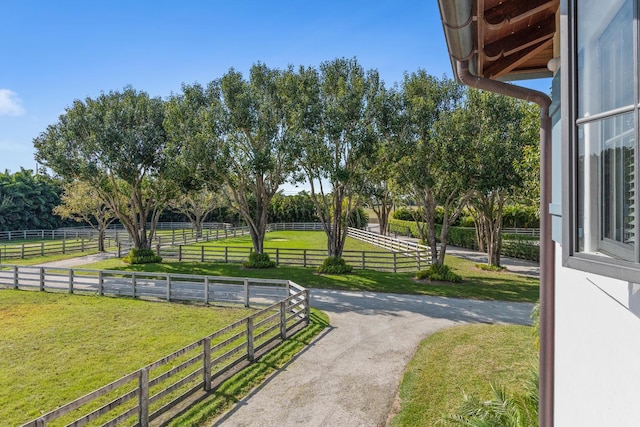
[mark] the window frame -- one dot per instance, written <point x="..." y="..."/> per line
<point x="570" y="121"/>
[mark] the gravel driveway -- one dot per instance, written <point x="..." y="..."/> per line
<point x="350" y="374"/>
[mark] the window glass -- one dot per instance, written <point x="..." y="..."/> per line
<point x="605" y="56"/>
<point x="606" y="187"/>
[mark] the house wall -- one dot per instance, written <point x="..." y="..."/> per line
<point x="597" y="349"/>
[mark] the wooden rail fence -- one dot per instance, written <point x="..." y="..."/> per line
<point x="375" y="260"/>
<point x="146" y="394"/>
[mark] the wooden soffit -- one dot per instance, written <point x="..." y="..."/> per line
<point x="514" y="37"/>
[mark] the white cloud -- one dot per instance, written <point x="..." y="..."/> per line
<point x="10" y="104"/>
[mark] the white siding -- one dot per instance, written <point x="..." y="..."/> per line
<point x="597" y="359"/>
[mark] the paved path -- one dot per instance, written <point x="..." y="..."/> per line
<point x="349" y="376"/>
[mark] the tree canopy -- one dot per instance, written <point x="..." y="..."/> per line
<point x="117" y="144"/>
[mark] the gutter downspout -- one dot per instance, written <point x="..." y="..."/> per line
<point x="547" y="247"/>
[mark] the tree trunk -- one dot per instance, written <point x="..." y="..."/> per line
<point x="198" y="226"/>
<point x="101" y="237"/>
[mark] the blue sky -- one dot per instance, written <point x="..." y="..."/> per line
<point x="52" y="52"/>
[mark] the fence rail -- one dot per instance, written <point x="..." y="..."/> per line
<point x="407" y="260"/>
<point x="144" y="395"/>
<point x="55" y="247"/>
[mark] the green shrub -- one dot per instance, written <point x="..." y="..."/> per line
<point x="403" y="214"/>
<point x="334" y="265"/>
<point x="503" y="409"/>
<point x="487" y="267"/>
<point x="440" y="273"/>
<point x="141" y="256"/>
<point x="358" y="218"/>
<point x="257" y="260"/>
<point x="404" y="228"/>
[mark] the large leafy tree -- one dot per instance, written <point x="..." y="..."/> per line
<point x="334" y="122"/>
<point x="81" y="202"/>
<point x="115" y="143"/>
<point x="237" y="132"/>
<point x="380" y="167"/>
<point x="433" y="169"/>
<point x="496" y="130"/>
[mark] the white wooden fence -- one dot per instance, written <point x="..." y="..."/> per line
<point x="144" y="395"/>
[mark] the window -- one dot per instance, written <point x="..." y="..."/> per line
<point x="606" y="130"/>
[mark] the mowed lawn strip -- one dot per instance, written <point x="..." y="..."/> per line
<point x="463" y="359"/>
<point x="477" y="284"/>
<point x="57" y="347"/>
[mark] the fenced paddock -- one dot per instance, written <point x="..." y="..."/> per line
<point x="146" y="394"/>
<point x="407" y="260"/>
<point x="184" y="245"/>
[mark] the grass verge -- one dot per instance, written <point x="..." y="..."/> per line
<point x="459" y="360"/>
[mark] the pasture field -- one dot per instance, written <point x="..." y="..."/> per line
<point x="294" y="240"/>
<point x="57" y="347"/>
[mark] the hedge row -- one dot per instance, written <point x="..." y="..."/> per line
<point x="513" y="245"/>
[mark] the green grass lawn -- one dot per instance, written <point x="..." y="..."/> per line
<point x="57" y="347"/>
<point x="294" y="240"/>
<point x="459" y="360"/>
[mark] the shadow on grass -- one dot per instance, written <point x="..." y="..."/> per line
<point x="234" y="392"/>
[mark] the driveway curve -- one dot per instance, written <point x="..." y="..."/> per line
<point x="349" y="375"/>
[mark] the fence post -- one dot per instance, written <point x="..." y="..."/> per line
<point x="41" y="279"/>
<point x="71" y="280"/>
<point x="143" y="397"/>
<point x="246" y="292"/>
<point x="133" y="284"/>
<point x="82" y="245"/>
<point x="158" y="246"/>
<point x="283" y="321"/>
<point x="119" y="247"/>
<point x="41" y="248"/>
<point x="277" y="256"/>
<point x="15" y="277"/>
<point x="363" y="261"/>
<point x="250" y="353"/>
<point x="173" y="237"/>
<point x="64" y="245"/>
<point x="395" y="260"/>
<point x="100" y="283"/>
<point x="22" y="251"/>
<point x="168" y="287"/>
<point x="180" y="253"/>
<point x="207" y="363"/>
<point x="304" y="257"/>
<point x="307" y="307"/>
<point x="226" y="254"/>
<point x="202" y="253"/>
<point x="25" y="234"/>
<point x="206" y="290"/>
